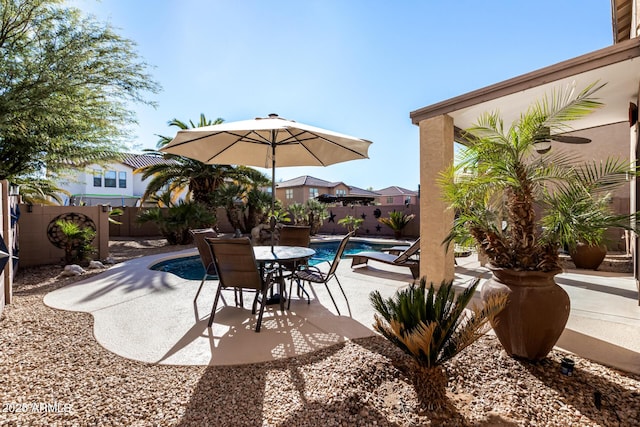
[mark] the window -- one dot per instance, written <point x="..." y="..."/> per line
<point x="110" y="179"/>
<point x="288" y="193"/>
<point x="97" y="178"/>
<point x="122" y="179"/>
<point x="341" y="193"/>
<point x="390" y="200"/>
<point x="313" y="192"/>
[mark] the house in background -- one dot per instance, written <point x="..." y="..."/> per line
<point x="395" y="195"/>
<point x="112" y="184"/>
<point x="303" y="188"/>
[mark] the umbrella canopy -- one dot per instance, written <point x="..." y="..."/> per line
<point x="267" y="142"/>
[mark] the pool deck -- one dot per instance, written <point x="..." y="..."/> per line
<point x="150" y="316"/>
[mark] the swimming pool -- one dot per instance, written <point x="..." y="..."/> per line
<point x="190" y="267"/>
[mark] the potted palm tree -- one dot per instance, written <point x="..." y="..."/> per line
<point x="578" y="218"/>
<point x="504" y="188"/>
<point x="397" y="221"/>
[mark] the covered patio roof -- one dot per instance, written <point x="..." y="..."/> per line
<point x="618" y="66"/>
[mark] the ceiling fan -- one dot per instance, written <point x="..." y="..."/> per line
<point x="543" y="140"/>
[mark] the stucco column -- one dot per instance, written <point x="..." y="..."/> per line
<point x="436" y="153"/>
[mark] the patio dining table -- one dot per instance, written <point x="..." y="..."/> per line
<point x="291" y="255"/>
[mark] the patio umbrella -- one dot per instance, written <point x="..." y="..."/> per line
<point x="260" y="141"/>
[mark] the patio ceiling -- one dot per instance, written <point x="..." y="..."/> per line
<point x="618" y="66"/>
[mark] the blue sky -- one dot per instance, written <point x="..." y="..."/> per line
<point x="353" y="66"/>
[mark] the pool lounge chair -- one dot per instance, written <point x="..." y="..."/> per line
<point x="404" y="259"/>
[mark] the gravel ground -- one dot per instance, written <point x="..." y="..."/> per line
<point x="52" y="372"/>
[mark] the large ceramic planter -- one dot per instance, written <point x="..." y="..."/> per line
<point x="588" y="256"/>
<point x="536" y="313"/>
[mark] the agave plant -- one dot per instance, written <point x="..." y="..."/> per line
<point x="432" y="326"/>
<point x="397" y="221"/>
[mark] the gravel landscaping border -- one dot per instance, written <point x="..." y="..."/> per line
<point x="53" y="372"/>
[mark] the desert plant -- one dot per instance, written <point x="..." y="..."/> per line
<point x="298" y="213"/>
<point x="175" y="221"/>
<point x="582" y="213"/>
<point x="397" y="221"/>
<point x="351" y="223"/>
<point x="432" y="327"/>
<point x="77" y="244"/>
<point x="317" y="213"/>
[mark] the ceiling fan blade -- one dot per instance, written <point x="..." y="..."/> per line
<point x="566" y="139"/>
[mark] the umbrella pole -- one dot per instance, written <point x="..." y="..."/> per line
<point x="272" y="220"/>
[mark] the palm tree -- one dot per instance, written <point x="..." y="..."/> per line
<point x="181" y="172"/>
<point x="39" y="190"/>
<point x="397" y="221"/>
<point x="500" y="178"/>
<point x="432" y="326"/>
<point x="245" y="203"/>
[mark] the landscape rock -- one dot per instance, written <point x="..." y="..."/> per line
<point x="72" y="270"/>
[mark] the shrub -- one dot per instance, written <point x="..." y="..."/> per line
<point x="432" y="327"/>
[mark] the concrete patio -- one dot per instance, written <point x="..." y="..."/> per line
<point x="150" y="316"/>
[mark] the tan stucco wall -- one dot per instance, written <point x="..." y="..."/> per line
<point x="436" y="153"/>
<point x="35" y="247"/>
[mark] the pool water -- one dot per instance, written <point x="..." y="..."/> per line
<point x="191" y="268"/>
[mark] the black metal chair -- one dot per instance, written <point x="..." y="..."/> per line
<point x="237" y="268"/>
<point x="205" y="255"/>
<point x="313" y="274"/>
<point x="295" y="235"/>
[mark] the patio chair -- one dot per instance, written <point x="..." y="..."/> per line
<point x="237" y="268"/>
<point x="295" y="235"/>
<point x="406" y="258"/>
<point x="313" y="274"/>
<point x="205" y="255"/>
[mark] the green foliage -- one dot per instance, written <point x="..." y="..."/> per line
<point x="311" y="213"/>
<point x="317" y="213"/>
<point x="581" y="213"/>
<point x="246" y="204"/>
<point x="66" y="84"/>
<point x="175" y="221"/>
<point x="77" y="245"/>
<point x="114" y="213"/>
<point x="431" y="325"/>
<point x="397" y="221"/>
<point x="39" y="191"/>
<point x="299" y="213"/>
<point x="500" y="178"/>
<point x="351" y="223"/>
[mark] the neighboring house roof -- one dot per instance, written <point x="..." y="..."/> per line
<point x="396" y="191"/>
<point x="141" y="160"/>
<point x="362" y="192"/>
<point x="308" y="181"/>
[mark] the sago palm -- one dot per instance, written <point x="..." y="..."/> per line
<point x="432" y="326"/>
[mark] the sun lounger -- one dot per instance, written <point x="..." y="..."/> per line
<point x="404" y="259"/>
